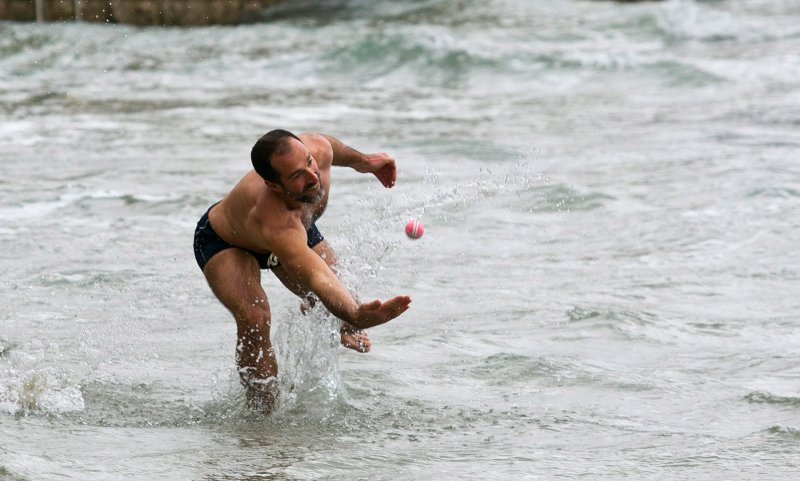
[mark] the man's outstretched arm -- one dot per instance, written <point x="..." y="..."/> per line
<point x="381" y="165"/>
<point x="315" y="275"/>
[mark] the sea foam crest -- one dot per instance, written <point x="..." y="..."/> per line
<point x="26" y="388"/>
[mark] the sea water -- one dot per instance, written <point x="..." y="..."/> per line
<point x="608" y="286"/>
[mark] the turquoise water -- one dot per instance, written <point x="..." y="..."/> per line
<point x="607" y="286"/>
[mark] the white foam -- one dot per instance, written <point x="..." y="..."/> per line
<point x="28" y="386"/>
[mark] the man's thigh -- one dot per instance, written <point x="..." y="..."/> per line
<point x="235" y="278"/>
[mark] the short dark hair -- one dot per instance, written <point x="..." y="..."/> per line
<point x="274" y="142"/>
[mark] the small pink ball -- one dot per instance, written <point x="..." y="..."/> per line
<point x="414" y="229"/>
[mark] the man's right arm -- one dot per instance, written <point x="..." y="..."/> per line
<point x="316" y="276"/>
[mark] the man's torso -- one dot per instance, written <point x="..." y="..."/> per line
<point x="250" y="213"/>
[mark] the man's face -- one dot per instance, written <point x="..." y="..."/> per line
<point x="299" y="179"/>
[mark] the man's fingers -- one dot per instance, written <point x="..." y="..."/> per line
<point x="357" y="341"/>
<point x="398" y="305"/>
<point x="376" y="312"/>
<point x="364" y="343"/>
<point x="392" y="175"/>
<point x="400" y="300"/>
<point x="385" y="176"/>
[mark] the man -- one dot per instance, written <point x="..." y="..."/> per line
<point x="268" y="222"/>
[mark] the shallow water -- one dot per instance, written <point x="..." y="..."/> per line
<point x="607" y="286"/>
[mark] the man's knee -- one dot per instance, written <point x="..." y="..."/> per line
<point x="252" y="316"/>
<point x="252" y="325"/>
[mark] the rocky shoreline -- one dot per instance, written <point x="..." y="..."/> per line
<point x="136" y="12"/>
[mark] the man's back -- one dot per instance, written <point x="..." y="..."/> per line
<point x="234" y="218"/>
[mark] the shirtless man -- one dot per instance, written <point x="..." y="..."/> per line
<point x="268" y="222"/>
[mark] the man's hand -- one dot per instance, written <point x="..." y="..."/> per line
<point x="356" y="340"/>
<point x="382" y="166"/>
<point x="376" y="313"/>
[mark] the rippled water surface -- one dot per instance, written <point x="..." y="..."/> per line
<point x="608" y="286"/>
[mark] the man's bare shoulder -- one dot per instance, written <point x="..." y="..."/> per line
<point x="275" y="223"/>
<point x="319" y="146"/>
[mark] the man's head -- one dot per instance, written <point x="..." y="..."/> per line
<point x="286" y="165"/>
<point x="275" y="142"/>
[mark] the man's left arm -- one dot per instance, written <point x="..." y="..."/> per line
<point x="381" y="165"/>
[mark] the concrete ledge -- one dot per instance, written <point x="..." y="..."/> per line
<point x="135" y="12"/>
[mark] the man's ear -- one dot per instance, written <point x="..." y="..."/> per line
<point x="272" y="185"/>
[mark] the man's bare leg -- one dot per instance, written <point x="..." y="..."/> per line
<point x="350" y="337"/>
<point x="235" y="279"/>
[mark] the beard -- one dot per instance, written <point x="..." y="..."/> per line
<point x="312" y="195"/>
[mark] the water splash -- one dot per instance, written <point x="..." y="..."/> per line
<point x="309" y="374"/>
<point x="28" y="386"/>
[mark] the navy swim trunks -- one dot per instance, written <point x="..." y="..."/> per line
<point x="207" y="244"/>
